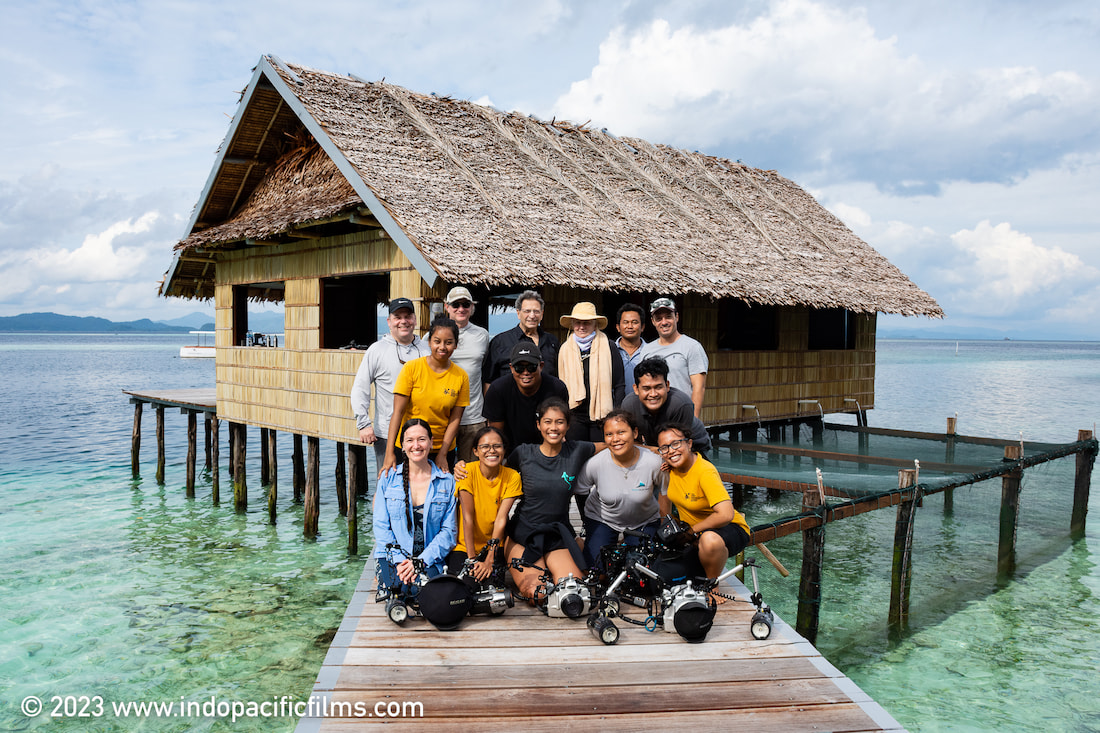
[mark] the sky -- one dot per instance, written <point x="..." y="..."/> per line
<point x="960" y="139"/>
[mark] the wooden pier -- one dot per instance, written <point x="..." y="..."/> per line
<point x="523" y="670"/>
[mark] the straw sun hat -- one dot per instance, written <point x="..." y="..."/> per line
<point x="583" y="311"/>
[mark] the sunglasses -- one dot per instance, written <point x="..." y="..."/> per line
<point x="461" y="304"/>
<point x="525" y="367"/>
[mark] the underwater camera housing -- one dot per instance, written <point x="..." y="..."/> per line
<point x="568" y="598"/>
<point x="689" y="612"/>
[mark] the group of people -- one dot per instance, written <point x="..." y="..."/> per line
<point x="498" y="435"/>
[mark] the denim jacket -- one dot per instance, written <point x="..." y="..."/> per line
<point x="440" y="519"/>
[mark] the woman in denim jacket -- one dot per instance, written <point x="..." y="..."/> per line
<point x="414" y="510"/>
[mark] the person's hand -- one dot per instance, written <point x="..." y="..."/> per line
<point x="387" y="464"/>
<point x="406" y="571"/>
<point x="482" y="569"/>
<point x="460" y="470"/>
<point x="367" y="435"/>
<point x="441" y="461"/>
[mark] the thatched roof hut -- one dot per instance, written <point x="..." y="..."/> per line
<point x="474" y="195"/>
<point x="332" y="194"/>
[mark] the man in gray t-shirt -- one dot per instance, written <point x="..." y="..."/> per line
<point x="686" y="358"/>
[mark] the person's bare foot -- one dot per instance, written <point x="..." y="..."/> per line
<point x="718" y="599"/>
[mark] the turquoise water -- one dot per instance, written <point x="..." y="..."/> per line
<point x="128" y="590"/>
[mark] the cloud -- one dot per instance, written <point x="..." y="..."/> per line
<point x="98" y="259"/>
<point x="804" y="86"/>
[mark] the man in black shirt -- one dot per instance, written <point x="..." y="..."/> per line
<point x="655" y="403"/>
<point x="512" y="400"/>
<point x="529" y="308"/>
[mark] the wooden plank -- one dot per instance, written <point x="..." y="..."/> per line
<point x="852" y="457"/>
<point x="976" y="440"/>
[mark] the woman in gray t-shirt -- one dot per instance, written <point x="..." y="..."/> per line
<point x="622" y="484"/>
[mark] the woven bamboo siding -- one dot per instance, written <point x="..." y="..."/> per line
<point x="302" y="314"/>
<point x="370" y="251"/>
<point x="223" y="316"/>
<point x="287" y="389"/>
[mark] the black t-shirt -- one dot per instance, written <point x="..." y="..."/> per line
<point x="505" y="403"/>
<point x="548" y="481"/>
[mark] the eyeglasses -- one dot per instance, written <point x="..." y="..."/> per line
<point x="491" y="447"/>
<point x="525" y="367"/>
<point x="674" y="445"/>
<point x="463" y="304"/>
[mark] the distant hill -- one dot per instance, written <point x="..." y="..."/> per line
<point x="54" y="322"/>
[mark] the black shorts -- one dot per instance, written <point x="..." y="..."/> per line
<point x="735" y="537"/>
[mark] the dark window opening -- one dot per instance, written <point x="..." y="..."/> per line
<point x="744" y="327"/>
<point x="832" y="328"/>
<point x="257" y="314"/>
<point x="349" y="309"/>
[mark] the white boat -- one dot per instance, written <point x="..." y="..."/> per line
<point x="202" y="349"/>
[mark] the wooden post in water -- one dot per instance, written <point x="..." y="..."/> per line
<point x="135" y="440"/>
<point x="341" y="480"/>
<point x="1010" y="512"/>
<point x="160" y="444"/>
<point x="215" y="461"/>
<point x="902" y="570"/>
<point x="192" y="451"/>
<point x="1081" y="482"/>
<point x="813" y="555"/>
<point x="232" y="452"/>
<point x="272" y="476"/>
<point x="357" y="469"/>
<point x="298" y="480"/>
<point x="239" y="433"/>
<point x="265" y="458"/>
<point x="949" y="457"/>
<point x="207" y="420"/>
<point x="313" y="488"/>
<point x="356" y="465"/>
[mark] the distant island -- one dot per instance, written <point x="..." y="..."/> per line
<point x="56" y="323"/>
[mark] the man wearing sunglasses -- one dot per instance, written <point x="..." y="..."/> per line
<point x="473" y="341"/>
<point x="513" y="399"/>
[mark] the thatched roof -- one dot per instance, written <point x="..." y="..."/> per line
<point x="479" y="196"/>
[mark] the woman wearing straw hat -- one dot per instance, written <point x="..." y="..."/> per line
<point x="591" y="370"/>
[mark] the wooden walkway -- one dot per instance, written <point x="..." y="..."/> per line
<point x="202" y="400"/>
<point x="525" y="671"/>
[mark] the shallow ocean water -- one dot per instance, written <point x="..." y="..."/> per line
<point x="128" y="590"/>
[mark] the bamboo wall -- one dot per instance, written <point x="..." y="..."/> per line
<point x="303" y="389"/>
<point x="299" y="388"/>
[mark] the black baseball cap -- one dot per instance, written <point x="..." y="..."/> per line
<point x="398" y="303"/>
<point x="525" y="352"/>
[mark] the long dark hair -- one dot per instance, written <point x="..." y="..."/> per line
<point x="410" y="423"/>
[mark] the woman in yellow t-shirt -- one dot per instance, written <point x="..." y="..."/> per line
<point x="701" y="500"/>
<point x="432" y="389"/>
<point x="485" y="498"/>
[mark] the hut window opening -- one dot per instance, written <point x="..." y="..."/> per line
<point x="258" y="318"/>
<point x="832" y="329"/>
<point x="349" y="309"/>
<point x="744" y="327"/>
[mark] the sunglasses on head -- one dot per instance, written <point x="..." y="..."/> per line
<point x="525" y="367"/>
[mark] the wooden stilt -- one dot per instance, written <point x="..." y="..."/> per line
<point x="313" y="489"/>
<point x="272" y="476"/>
<point x="949" y="457"/>
<point x="341" y="481"/>
<point x="215" y="461"/>
<point x="207" y="424"/>
<point x="813" y="555"/>
<point x="1081" y="482"/>
<point x="357" y="469"/>
<point x="192" y="451"/>
<point x="775" y="435"/>
<point x="299" y="468"/>
<point x="239" y="432"/>
<point x="902" y="572"/>
<point x="160" y="444"/>
<point x="817" y="430"/>
<point x="357" y="465"/>
<point x="265" y="461"/>
<point x="232" y="452"/>
<point x="135" y="441"/>
<point x="1010" y="513"/>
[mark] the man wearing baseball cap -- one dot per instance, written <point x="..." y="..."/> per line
<point x="473" y="341"/>
<point x="380" y="367"/>
<point x="512" y="400"/>
<point x="686" y="358"/>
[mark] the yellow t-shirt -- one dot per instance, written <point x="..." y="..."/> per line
<point x="487" y="498"/>
<point x="695" y="492"/>
<point x="432" y="395"/>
